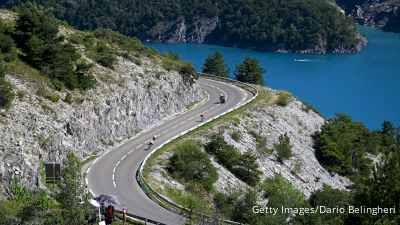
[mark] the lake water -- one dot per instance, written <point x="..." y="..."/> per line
<point x="365" y="85"/>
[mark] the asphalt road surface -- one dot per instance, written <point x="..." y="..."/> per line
<point x="113" y="173"/>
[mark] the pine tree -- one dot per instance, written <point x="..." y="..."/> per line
<point x="215" y="65"/>
<point x="250" y="71"/>
<point x="247" y="169"/>
<point x="283" y="147"/>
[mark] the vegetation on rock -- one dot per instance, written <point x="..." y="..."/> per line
<point x="190" y="164"/>
<point x="244" y="166"/>
<point x="283" y="147"/>
<point x="265" y="25"/>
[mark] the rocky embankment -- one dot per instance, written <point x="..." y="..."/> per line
<point x="269" y="121"/>
<point x="126" y="100"/>
<point x="383" y="14"/>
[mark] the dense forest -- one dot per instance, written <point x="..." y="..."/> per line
<point x="272" y="25"/>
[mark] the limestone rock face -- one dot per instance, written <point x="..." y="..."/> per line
<point x="376" y="13"/>
<point x="125" y="101"/>
<point x="180" y="31"/>
<point x="269" y="121"/>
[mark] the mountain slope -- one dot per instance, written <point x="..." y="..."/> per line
<point x="284" y="26"/>
<point x="138" y="89"/>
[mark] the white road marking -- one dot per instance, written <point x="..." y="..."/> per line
<point x="124" y="157"/>
<point x="114" y="169"/>
<point x="113" y="177"/>
<point x="117" y="163"/>
<point x="88" y="169"/>
<point x="86" y="181"/>
<point x="139" y="146"/>
<point x="174" y="127"/>
<point x="165" y="132"/>
<point x="114" y="184"/>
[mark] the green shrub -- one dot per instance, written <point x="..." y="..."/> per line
<point x="307" y="107"/>
<point x="284" y="98"/>
<point x="68" y="98"/>
<point x="246" y="169"/>
<point x="283" y="147"/>
<point x="190" y="164"/>
<point x="42" y="91"/>
<point x="21" y="94"/>
<point x="236" y="135"/>
<point x="261" y="142"/>
<point x="6" y="94"/>
<point x="216" y="144"/>
<point x="229" y="157"/>
<point x="104" y="55"/>
<point x="106" y="60"/>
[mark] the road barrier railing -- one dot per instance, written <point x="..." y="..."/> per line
<point x="159" y="198"/>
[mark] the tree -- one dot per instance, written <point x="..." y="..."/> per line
<point x="36" y="34"/>
<point x="281" y="193"/>
<point x="381" y="188"/>
<point x="341" y="145"/>
<point x="216" y="144"/>
<point x="247" y="170"/>
<point x="192" y="165"/>
<point x="215" y="65"/>
<point x="330" y="198"/>
<point x="250" y="71"/>
<point x="283" y="147"/>
<point x="73" y="212"/>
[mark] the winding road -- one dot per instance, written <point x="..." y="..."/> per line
<point x="114" y="172"/>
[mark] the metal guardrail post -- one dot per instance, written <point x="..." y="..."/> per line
<point x="141" y="179"/>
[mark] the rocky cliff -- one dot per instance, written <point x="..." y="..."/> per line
<point x="268" y="120"/>
<point x="383" y="14"/>
<point x="127" y="99"/>
<point x="180" y="31"/>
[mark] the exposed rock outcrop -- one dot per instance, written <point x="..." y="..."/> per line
<point x="269" y="121"/>
<point x="180" y="31"/>
<point x="377" y="13"/>
<point x="125" y="101"/>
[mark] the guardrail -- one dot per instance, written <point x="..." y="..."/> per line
<point x="146" y="187"/>
<point x="144" y="219"/>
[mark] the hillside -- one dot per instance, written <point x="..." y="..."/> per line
<point x="255" y="131"/>
<point x="112" y="88"/>
<point x="281" y="26"/>
<point x="383" y="14"/>
<point x="280" y="153"/>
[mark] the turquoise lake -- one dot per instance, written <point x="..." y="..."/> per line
<point x="365" y="85"/>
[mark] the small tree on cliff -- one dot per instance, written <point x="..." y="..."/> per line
<point x="215" y="65"/>
<point x="73" y="212"/>
<point x="250" y="71"/>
